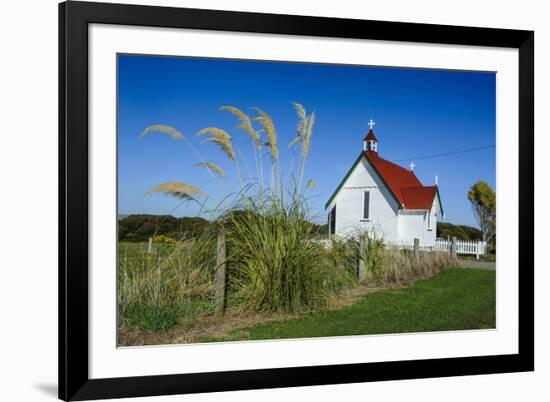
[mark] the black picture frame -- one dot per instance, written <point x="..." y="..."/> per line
<point x="74" y="381"/>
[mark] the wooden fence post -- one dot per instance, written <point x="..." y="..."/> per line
<point x="416" y="249"/>
<point x="453" y="247"/>
<point x="361" y="269"/>
<point x="219" y="275"/>
<point x="150" y="246"/>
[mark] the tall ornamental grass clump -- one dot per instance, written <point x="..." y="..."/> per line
<point x="272" y="263"/>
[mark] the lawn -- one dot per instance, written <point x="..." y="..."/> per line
<point x="455" y="299"/>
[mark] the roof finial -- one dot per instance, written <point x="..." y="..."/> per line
<point x="411" y="166"/>
<point x="436" y="179"/>
<point x="371" y="123"/>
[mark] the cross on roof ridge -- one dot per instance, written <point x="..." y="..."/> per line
<point x="371" y="123"/>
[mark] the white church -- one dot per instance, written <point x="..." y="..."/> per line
<point x="384" y="199"/>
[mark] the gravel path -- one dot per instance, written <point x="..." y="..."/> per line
<point x="477" y="264"/>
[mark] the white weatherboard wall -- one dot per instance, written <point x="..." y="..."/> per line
<point x="414" y="224"/>
<point x="349" y="205"/>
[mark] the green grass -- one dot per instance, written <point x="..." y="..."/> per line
<point x="454" y="299"/>
<point x="152" y="317"/>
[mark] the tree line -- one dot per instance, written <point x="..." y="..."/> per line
<point x="138" y="228"/>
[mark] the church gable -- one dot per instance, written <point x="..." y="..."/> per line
<point x="365" y="178"/>
<point x="361" y="175"/>
<point x="361" y="172"/>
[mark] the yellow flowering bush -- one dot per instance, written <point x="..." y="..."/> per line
<point x="162" y="239"/>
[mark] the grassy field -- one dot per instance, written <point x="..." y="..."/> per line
<point x="454" y="299"/>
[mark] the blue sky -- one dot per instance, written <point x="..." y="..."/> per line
<point x="417" y="113"/>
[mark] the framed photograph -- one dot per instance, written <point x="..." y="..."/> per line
<point x="259" y="201"/>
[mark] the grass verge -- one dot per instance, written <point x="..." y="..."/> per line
<point x="455" y="299"/>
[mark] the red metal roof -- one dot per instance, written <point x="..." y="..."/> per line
<point x="370" y="136"/>
<point x="403" y="183"/>
<point x="419" y="197"/>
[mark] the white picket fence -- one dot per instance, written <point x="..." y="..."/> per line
<point x="476" y="248"/>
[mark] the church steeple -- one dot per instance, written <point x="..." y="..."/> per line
<point x="370" y="143"/>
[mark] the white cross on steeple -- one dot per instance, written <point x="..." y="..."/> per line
<point x="411" y="166"/>
<point x="371" y="123"/>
